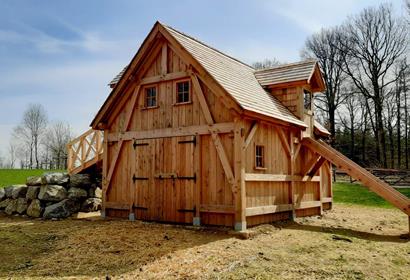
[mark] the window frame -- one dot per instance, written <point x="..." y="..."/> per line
<point x="262" y="157"/>
<point x="189" y="92"/>
<point x="146" y="88"/>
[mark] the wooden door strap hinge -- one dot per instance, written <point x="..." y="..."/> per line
<point x="193" y="210"/>
<point x="188" y="177"/>
<point x="135" y="178"/>
<point x="135" y="145"/>
<point x="188" y="141"/>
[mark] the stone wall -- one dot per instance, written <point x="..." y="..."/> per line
<point x="53" y="195"/>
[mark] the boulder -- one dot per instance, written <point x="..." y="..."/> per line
<point x="52" y="193"/>
<point x="8" y="191"/>
<point x="22" y="204"/>
<point x="80" y="181"/>
<point x="19" y="191"/>
<point x="4" y="203"/>
<point x="62" y="209"/>
<point x="77" y="193"/>
<point x="91" y="205"/>
<point x="55" y="178"/>
<point x="35" y="209"/>
<point x="95" y="192"/>
<point x="33" y="181"/>
<point x="11" y="207"/>
<point x="2" y="194"/>
<point x="32" y="192"/>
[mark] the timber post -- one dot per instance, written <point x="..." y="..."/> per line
<point x="239" y="183"/>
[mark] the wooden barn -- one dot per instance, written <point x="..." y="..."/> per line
<point x="192" y="135"/>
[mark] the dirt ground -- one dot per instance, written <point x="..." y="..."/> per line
<point x="348" y="242"/>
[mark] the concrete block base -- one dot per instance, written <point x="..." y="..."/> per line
<point x="131" y="217"/>
<point x="196" y="221"/>
<point x="240" y="226"/>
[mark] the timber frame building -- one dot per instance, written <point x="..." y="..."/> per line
<point x="192" y="135"/>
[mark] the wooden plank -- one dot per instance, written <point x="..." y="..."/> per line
<point x="164" y="59"/>
<point x="269" y="209"/>
<point x="218" y="128"/>
<point x="223" y="209"/>
<point x="251" y="134"/>
<point x="116" y="205"/>
<point x="327" y="199"/>
<point x="308" y="204"/>
<point x="202" y="101"/>
<point x="164" y="78"/>
<point x="268" y="177"/>
<point x="309" y="165"/>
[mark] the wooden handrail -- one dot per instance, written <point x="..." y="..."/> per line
<point x="84" y="151"/>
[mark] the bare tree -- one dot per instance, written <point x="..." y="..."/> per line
<point x="267" y="63"/>
<point x="31" y="130"/>
<point x="374" y="41"/>
<point x="12" y="153"/>
<point x="58" y="135"/>
<point x="321" y="46"/>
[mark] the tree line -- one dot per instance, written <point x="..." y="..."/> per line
<point x="37" y="143"/>
<point x="365" y="66"/>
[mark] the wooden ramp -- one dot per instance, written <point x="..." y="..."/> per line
<point x="85" y="151"/>
<point x="373" y="183"/>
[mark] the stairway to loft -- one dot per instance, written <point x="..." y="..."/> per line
<point x="85" y="152"/>
<point x="372" y="182"/>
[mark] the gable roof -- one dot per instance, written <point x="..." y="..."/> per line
<point x="294" y="72"/>
<point x="235" y="77"/>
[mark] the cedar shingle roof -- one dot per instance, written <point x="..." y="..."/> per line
<point x="237" y="78"/>
<point x="300" y="71"/>
<point x="118" y="77"/>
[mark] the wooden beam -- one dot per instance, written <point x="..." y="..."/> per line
<point x="164" y="78"/>
<point x="269" y="209"/>
<point x="316" y="167"/>
<point x="308" y="204"/>
<point x="215" y="137"/>
<point x="309" y="165"/>
<point x="218" y="128"/>
<point x="113" y="164"/>
<point x="327" y="199"/>
<point x="263" y="177"/>
<point x="164" y="59"/>
<point x="283" y="140"/>
<point x="116" y="205"/>
<point x="251" y="134"/>
<point x="239" y="185"/>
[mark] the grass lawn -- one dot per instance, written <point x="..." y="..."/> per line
<point x="357" y="194"/>
<point x="18" y="176"/>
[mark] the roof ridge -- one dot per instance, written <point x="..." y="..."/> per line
<point x="208" y="46"/>
<point x="286" y="65"/>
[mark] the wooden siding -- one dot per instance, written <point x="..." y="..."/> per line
<point x="185" y="167"/>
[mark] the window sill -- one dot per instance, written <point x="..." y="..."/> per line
<point x="182" y="103"/>
<point x="260" y="168"/>
<point x="148" y="108"/>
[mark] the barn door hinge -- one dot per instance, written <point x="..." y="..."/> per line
<point x="188" y="141"/>
<point x="188" y="177"/>
<point x="139" y="207"/>
<point x="135" y="178"/>
<point x="135" y="145"/>
<point x="193" y="210"/>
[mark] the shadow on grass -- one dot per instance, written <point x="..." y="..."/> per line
<point x="349" y="233"/>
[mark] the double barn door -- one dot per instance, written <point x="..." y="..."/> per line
<point x="164" y="181"/>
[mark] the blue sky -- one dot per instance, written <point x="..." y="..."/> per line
<point x="62" y="54"/>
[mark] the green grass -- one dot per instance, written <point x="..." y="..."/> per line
<point x="357" y="194"/>
<point x="18" y="176"/>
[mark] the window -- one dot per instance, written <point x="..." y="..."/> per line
<point x="259" y="156"/>
<point x="182" y="92"/>
<point x="307" y="97"/>
<point x="150" y="97"/>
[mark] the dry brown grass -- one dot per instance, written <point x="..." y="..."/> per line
<point x="301" y="250"/>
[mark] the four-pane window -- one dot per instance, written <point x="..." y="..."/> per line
<point x="150" y="97"/>
<point x="183" y="92"/>
<point x="259" y="156"/>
